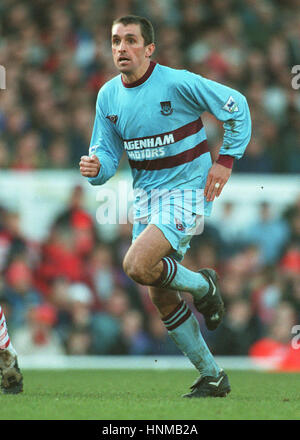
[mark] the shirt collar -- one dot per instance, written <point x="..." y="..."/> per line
<point x="142" y="79"/>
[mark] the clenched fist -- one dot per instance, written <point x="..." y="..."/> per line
<point x="89" y="166"/>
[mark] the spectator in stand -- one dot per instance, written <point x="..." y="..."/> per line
<point x="58" y="259"/>
<point x="59" y="154"/>
<point x="37" y="335"/>
<point x="19" y="291"/>
<point x="257" y="159"/>
<point x="76" y="219"/>
<point x="238" y="331"/>
<point x="276" y="345"/>
<point x="292" y="294"/>
<point x="122" y="242"/>
<point x="28" y="154"/>
<point x="4" y="155"/>
<point x="133" y="339"/>
<point x="12" y="240"/>
<point x="79" y="342"/>
<point x="232" y="287"/>
<point x="227" y="225"/>
<point x="59" y="299"/>
<point x="269" y="234"/>
<point x="290" y="261"/>
<point x="78" y="334"/>
<point x="295" y="227"/>
<point x="266" y="293"/>
<point x="107" y="324"/>
<point x="103" y="272"/>
<point x="291" y="210"/>
<point x="160" y="343"/>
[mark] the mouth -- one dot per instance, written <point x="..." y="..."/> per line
<point x="123" y="59"/>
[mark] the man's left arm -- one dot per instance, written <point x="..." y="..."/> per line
<point x="231" y="107"/>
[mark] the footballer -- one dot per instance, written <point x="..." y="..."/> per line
<point x="153" y="112"/>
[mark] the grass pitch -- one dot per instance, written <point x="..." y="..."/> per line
<point x="149" y="395"/>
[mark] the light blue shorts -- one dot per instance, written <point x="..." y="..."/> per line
<point x="178" y="235"/>
<point x="178" y="222"/>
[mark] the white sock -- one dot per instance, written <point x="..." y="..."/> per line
<point x="5" y="343"/>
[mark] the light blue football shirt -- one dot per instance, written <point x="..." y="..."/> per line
<point x="157" y="121"/>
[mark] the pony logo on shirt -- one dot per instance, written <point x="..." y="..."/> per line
<point x="112" y="118"/>
<point x="166" y="108"/>
<point x="92" y="150"/>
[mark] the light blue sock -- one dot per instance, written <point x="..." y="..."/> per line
<point x="177" y="277"/>
<point x="184" y="329"/>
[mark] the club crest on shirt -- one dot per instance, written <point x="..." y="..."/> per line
<point x="166" y="108"/>
<point x="112" y="118"/>
<point x="179" y="225"/>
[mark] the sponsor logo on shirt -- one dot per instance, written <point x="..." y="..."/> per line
<point x="231" y="106"/>
<point x="149" y="142"/>
<point x="148" y="148"/>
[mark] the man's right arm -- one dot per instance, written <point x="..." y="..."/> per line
<point x="105" y="150"/>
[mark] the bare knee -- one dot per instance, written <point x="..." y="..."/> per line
<point x="135" y="269"/>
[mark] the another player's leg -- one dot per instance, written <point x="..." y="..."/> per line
<point x="147" y="263"/>
<point x="184" y="329"/>
<point x="12" y="379"/>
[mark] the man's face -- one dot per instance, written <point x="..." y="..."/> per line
<point x="128" y="50"/>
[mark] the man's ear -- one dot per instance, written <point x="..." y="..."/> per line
<point x="150" y="50"/>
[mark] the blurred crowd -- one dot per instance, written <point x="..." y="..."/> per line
<point x="69" y="294"/>
<point x="57" y="55"/>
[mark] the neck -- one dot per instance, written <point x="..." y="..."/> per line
<point x="131" y="77"/>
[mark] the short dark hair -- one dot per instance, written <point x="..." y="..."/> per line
<point x="147" y="30"/>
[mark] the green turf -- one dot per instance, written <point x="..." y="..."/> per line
<point x="149" y="395"/>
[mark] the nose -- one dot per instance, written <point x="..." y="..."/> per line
<point x="122" y="46"/>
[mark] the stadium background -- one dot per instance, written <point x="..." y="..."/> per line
<point x="61" y="281"/>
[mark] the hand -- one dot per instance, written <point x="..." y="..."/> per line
<point x="89" y="166"/>
<point x="217" y="174"/>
